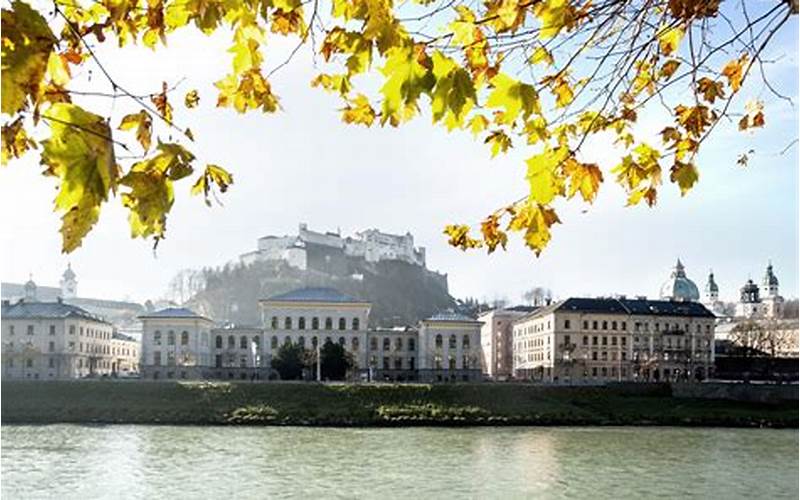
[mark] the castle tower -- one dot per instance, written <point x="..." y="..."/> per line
<point x="773" y="303"/>
<point x="69" y="284"/>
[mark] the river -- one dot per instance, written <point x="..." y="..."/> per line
<point x="77" y="461"/>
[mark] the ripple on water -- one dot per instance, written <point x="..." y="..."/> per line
<point x="72" y="461"/>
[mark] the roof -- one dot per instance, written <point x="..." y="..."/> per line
<point x="450" y="316"/>
<point x="173" y="312"/>
<point x="315" y="295"/>
<point x="47" y="310"/>
<point x="121" y="336"/>
<point x="638" y="307"/>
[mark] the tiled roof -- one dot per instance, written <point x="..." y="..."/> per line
<point x="450" y="316"/>
<point x="628" y="306"/>
<point x="173" y="312"/>
<point x="314" y="295"/>
<point x="48" y="310"/>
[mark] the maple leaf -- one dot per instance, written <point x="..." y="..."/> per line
<point x="143" y="124"/>
<point x="668" y="69"/>
<point x="499" y="141"/>
<point x="685" y="175"/>
<point x="15" y="140"/>
<point x="406" y="80"/>
<point x="79" y="152"/>
<point x="584" y="178"/>
<point x="162" y="104"/>
<point x="734" y="71"/>
<point x="513" y="97"/>
<point x="458" y="236"/>
<point x="359" y="111"/>
<point x="710" y="89"/>
<point x="543" y="175"/>
<point x="492" y="234"/>
<point x="669" y="39"/>
<point x="213" y="174"/>
<point x="192" y="99"/>
<point x="27" y="42"/>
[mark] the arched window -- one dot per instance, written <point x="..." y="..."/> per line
<point x="386" y="343"/>
<point x="315" y="323"/>
<point x="356" y="324"/>
<point x="287" y="340"/>
<point x="342" y="323"/>
<point x="301" y="324"/>
<point x="341" y="341"/>
<point x="329" y="323"/>
<point x="451" y="342"/>
<point x="465" y="342"/>
<point x="327" y="340"/>
<point x="287" y="323"/>
<point x="171" y="338"/>
<point x="439" y="341"/>
<point x="243" y="342"/>
<point x="354" y="343"/>
<point x="274" y="342"/>
<point x="301" y="342"/>
<point x="157" y="337"/>
<point x="184" y="338"/>
<point x="314" y="342"/>
<point x="231" y="342"/>
<point x="274" y="323"/>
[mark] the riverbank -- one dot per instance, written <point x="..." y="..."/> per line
<point x="223" y="403"/>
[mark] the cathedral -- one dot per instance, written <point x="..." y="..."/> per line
<point x="763" y="301"/>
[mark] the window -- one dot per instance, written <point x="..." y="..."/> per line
<point x="80" y="332"/>
<point x="170" y="358"/>
<point x="594" y="325"/>
<point x="451" y="362"/>
<point x="613" y="340"/>
<point x="412" y="346"/>
<point x="184" y="338"/>
<point x="157" y="337"/>
<point x="315" y="323"/>
<point x="604" y="371"/>
<point x="439" y="341"/>
<point x="398" y="363"/>
<point x="624" y="356"/>
<point x="354" y="344"/>
<point x="585" y="325"/>
<point x="411" y="363"/>
<point x="385" y="363"/>
<point x="29" y="363"/>
<point x="52" y="329"/>
<point x="329" y="323"/>
<point x="231" y="342"/>
<point x="398" y="344"/>
<point x="288" y="340"/>
<point x="585" y="340"/>
<point x="624" y="340"/>
<point x="386" y="343"/>
<point x="451" y="342"/>
<point x="605" y="325"/>
<point x="30" y="329"/>
<point x="273" y="342"/>
<point x="301" y="324"/>
<point x="301" y="342"/>
<point x="594" y="340"/>
<point x="51" y="346"/>
<point x="274" y="323"/>
<point x="605" y="340"/>
<point x="314" y="342"/>
<point x="243" y="342"/>
<point x="341" y="341"/>
<point x="243" y="362"/>
<point x="594" y="371"/>
<point x="287" y="323"/>
<point x="566" y="324"/>
<point x="356" y="324"/>
<point x="594" y="355"/>
<point x="171" y="338"/>
<point x="157" y="358"/>
<point x="624" y="326"/>
<point x="613" y="325"/>
<point x="342" y="324"/>
<point x="373" y="343"/>
<point x="465" y="342"/>
<point x="219" y="342"/>
<point x="11" y="329"/>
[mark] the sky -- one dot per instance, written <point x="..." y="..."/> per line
<point x="304" y="165"/>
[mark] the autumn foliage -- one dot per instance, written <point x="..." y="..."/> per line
<point x="544" y="75"/>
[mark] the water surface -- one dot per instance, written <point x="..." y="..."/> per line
<point x="73" y="461"/>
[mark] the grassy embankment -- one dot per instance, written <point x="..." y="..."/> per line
<point x="202" y="403"/>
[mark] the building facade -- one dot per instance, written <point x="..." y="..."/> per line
<point x="175" y="345"/>
<point x="582" y="340"/>
<point x="55" y="340"/>
<point x="449" y="349"/>
<point x="497" y="345"/>
<point x="761" y="302"/>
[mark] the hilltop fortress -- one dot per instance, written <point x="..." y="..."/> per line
<point x="329" y="252"/>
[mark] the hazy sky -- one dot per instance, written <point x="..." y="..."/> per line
<point x="304" y="165"/>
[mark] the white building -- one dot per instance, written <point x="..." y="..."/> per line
<point x="585" y="340"/>
<point x="449" y="348"/>
<point x="760" y="302"/>
<point x="55" y="340"/>
<point x="497" y="344"/>
<point x="175" y="345"/>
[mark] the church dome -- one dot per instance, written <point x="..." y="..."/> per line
<point x="769" y="277"/>
<point x="711" y="285"/>
<point x="678" y="287"/>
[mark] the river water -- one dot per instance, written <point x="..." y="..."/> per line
<point x="73" y="461"/>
